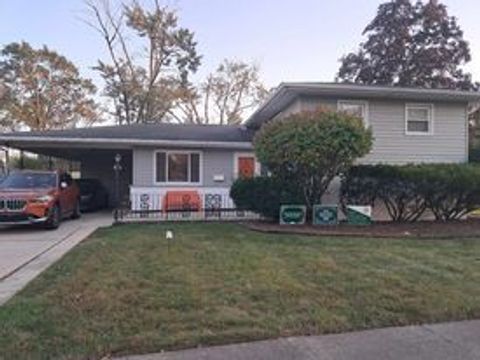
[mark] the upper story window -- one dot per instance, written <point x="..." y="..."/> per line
<point x="419" y="119"/>
<point x="355" y="108"/>
<point x="179" y="167"/>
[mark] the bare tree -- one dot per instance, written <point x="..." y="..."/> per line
<point x="144" y="78"/>
<point x="224" y="97"/>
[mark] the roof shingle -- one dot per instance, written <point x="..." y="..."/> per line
<point x="171" y="132"/>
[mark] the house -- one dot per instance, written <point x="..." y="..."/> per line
<point x="164" y="163"/>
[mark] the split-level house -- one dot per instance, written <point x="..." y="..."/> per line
<point x="409" y="126"/>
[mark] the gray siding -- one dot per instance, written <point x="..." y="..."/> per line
<point x="448" y="143"/>
<point x="214" y="162"/>
<point x="312" y="104"/>
<point x="307" y="104"/>
<point x="143" y="167"/>
<point x="218" y="162"/>
<point x="294" y="107"/>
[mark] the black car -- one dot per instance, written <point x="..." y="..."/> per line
<point x="93" y="195"/>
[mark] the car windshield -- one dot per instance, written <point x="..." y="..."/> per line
<point x="86" y="185"/>
<point x="29" y="181"/>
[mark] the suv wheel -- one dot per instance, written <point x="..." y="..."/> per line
<point x="54" y="219"/>
<point x="76" y="211"/>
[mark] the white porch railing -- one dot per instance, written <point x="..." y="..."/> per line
<point x="152" y="198"/>
<point x="216" y="205"/>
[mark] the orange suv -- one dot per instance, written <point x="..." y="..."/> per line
<point x="38" y="197"/>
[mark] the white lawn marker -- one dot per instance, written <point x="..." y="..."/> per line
<point x="169" y="236"/>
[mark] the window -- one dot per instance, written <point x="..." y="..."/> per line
<point x="355" y="108"/>
<point x="419" y="119"/>
<point x="177" y="167"/>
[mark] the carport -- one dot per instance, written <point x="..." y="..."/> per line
<point x="94" y="149"/>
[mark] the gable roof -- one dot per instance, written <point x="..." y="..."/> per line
<point x="139" y="134"/>
<point x="287" y="92"/>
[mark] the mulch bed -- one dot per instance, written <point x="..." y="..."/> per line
<point x="423" y="229"/>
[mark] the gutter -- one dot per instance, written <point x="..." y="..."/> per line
<point x="6" y="140"/>
<point x="279" y="98"/>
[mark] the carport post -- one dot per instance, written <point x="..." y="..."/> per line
<point x="6" y="166"/>
<point x="117" y="167"/>
<point x="22" y="160"/>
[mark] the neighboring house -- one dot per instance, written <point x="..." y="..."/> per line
<point x="409" y="126"/>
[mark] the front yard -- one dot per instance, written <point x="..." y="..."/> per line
<point x="125" y="291"/>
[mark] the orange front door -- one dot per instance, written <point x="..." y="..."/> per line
<point x="246" y="167"/>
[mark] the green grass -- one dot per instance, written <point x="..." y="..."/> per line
<point x="123" y="291"/>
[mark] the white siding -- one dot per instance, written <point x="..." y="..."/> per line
<point x="391" y="145"/>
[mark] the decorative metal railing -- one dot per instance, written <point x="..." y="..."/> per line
<point x="153" y="198"/>
<point x="219" y="214"/>
<point x="189" y="204"/>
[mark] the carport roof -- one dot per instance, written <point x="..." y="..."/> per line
<point x="127" y="136"/>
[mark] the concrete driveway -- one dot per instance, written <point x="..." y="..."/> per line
<point x="26" y="251"/>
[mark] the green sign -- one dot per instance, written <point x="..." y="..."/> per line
<point x="325" y="215"/>
<point x="293" y="214"/>
<point x="359" y="215"/>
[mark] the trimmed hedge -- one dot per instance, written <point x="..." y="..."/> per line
<point x="449" y="191"/>
<point x="263" y="195"/>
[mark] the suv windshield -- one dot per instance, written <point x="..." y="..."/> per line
<point x="87" y="185"/>
<point x="29" y="181"/>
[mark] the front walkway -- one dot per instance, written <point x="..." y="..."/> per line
<point x="25" y="252"/>
<point x="449" y="341"/>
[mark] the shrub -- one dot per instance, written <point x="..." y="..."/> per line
<point x="450" y="191"/>
<point x="398" y="187"/>
<point x="309" y="149"/>
<point x="474" y="155"/>
<point x="263" y="195"/>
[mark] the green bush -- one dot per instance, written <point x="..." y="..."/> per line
<point x="474" y="155"/>
<point x="450" y="191"/>
<point x="263" y="195"/>
<point x="397" y="187"/>
<point x="308" y="149"/>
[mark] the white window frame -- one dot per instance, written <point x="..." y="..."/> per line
<point x="364" y="103"/>
<point x="431" y="117"/>
<point x="178" y="183"/>
<point x="237" y="156"/>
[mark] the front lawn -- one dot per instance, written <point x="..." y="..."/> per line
<point x="124" y="291"/>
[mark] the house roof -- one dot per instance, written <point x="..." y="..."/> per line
<point x="189" y="135"/>
<point x="285" y="93"/>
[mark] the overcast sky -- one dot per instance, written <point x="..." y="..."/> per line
<point x="291" y="40"/>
